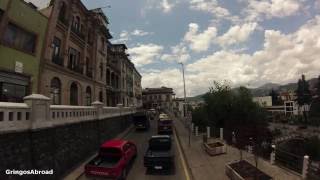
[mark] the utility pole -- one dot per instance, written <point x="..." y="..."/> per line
<point x="185" y="103"/>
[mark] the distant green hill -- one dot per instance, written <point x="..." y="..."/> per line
<point x="265" y="89"/>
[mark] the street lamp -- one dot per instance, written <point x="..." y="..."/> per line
<point x="185" y="102"/>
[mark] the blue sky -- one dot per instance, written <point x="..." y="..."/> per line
<point x="246" y="42"/>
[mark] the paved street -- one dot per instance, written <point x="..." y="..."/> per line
<point x="138" y="172"/>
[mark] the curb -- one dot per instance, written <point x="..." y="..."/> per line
<point x="183" y="154"/>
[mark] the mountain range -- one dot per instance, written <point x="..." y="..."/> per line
<point x="265" y="89"/>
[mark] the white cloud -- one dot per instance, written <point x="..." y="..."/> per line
<point x="259" y="10"/>
<point x="200" y="41"/>
<point x="237" y="34"/>
<point x="166" y="6"/>
<point x="283" y="59"/>
<point x="39" y="3"/>
<point x="144" y="54"/>
<point x="125" y="36"/>
<point x="210" y="6"/>
<point x="179" y="53"/>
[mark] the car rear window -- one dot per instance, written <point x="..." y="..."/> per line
<point x="110" y="151"/>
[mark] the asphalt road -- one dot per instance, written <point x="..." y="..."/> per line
<point x="138" y="171"/>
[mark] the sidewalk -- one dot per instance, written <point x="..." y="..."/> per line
<point x="205" y="167"/>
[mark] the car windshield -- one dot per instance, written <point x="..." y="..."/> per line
<point x="110" y="152"/>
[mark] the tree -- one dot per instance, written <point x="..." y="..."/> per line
<point x="241" y="118"/>
<point x="303" y="95"/>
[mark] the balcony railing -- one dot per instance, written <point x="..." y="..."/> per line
<point x="89" y="72"/>
<point x="78" y="69"/>
<point x="77" y="32"/>
<point x="57" y="60"/>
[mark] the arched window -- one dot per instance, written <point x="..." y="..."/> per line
<point x="100" y="96"/>
<point x="88" y="96"/>
<point x="62" y="13"/>
<point x="73" y="94"/>
<point x="55" y="91"/>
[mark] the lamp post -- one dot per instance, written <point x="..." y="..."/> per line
<point x="185" y="103"/>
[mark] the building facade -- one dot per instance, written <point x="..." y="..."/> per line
<point x="158" y="98"/>
<point x="137" y="90"/>
<point x="80" y="65"/>
<point x="22" y="32"/>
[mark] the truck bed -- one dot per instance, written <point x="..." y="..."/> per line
<point x="104" y="162"/>
<point x="164" y="159"/>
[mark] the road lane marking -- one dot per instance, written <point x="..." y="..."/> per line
<point x="183" y="161"/>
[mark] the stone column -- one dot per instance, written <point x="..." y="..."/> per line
<point x="273" y="154"/>
<point x="197" y="131"/>
<point x="305" y="167"/>
<point x="208" y="132"/>
<point x="221" y="134"/>
<point x="40" y="110"/>
<point x="98" y="106"/>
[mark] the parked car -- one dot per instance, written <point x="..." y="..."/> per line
<point x="141" y="120"/>
<point x="165" y="124"/>
<point x="159" y="155"/>
<point x="113" y="160"/>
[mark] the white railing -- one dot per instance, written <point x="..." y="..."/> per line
<point x="14" y="115"/>
<point x="37" y="112"/>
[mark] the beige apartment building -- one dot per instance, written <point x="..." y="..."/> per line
<point x="158" y="98"/>
<point x="79" y="64"/>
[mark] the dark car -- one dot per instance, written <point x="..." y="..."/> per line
<point x="141" y="121"/>
<point x="159" y="155"/>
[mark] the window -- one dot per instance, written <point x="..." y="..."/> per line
<point x="73" y="94"/>
<point x="18" y="38"/>
<point x="55" y="91"/>
<point x="108" y="77"/>
<point x="102" y="44"/>
<point x="56" y="47"/>
<point x="12" y="92"/>
<point x="76" y="23"/>
<point x="74" y="59"/>
<point x="100" y="96"/>
<point x="88" y="96"/>
<point x="62" y="12"/>
<point x="101" y="70"/>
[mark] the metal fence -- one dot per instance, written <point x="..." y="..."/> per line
<point x="289" y="160"/>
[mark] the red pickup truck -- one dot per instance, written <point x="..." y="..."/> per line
<point x="113" y="160"/>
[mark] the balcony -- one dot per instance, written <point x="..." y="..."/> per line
<point x="64" y="21"/>
<point x="78" y="69"/>
<point x="78" y="33"/>
<point x="89" y="72"/>
<point x="58" y="60"/>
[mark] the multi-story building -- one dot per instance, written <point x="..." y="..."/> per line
<point x="22" y="32"/>
<point x="137" y="90"/>
<point x="63" y="53"/>
<point x="158" y="98"/>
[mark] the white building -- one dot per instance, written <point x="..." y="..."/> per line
<point x="264" y="101"/>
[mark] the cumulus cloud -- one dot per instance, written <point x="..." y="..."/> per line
<point x="258" y="10"/>
<point x="283" y="58"/>
<point x="144" y="54"/>
<point x="200" y="41"/>
<point x="125" y="36"/>
<point x="164" y="6"/>
<point x="210" y="6"/>
<point x="40" y="3"/>
<point x="179" y="53"/>
<point x="237" y="34"/>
